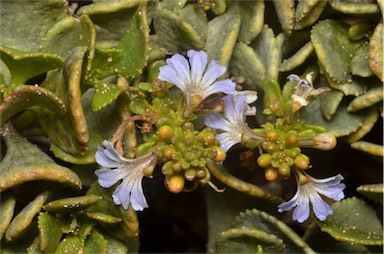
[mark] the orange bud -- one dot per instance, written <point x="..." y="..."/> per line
<point x="175" y="183"/>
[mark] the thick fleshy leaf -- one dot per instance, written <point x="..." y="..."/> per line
<point x="376" y="52"/>
<point x="252" y="18"/>
<point x="355" y="6"/>
<point x="285" y="11"/>
<point x="106" y="218"/>
<point x="23" y="219"/>
<point x="333" y="48"/>
<point x="360" y="225"/>
<point x="372" y="191"/>
<point x="222" y="36"/>
<point x="68" y="132"/>
<point x="298" y="58"/>
<point x="70" y="244"/>
<point x="266" y="47"/>
<point x="342" y="122"/>
<point x="369" y="147"/>
<point x="24" y="66"/>
<point x="25" y="97"/>
<point x="175" y="32"/>
<point x="128" y="227"/>
<point x="355" y="86"/>
<point x="370" y="119"/>
<point x="245" y="62"/>
<point x="308" y="12"/>
<point x="96" y="243"/>
<point x="360" y="63"/>
<point x="50" y="232"/>
<point x="373" y="96"/>
<point x="69" y="33"/>
<point x="255" y="219"/>
<point x="130" y="56"/>
<point x="321" y="242"/>
<point x="111" y="19"/>
<point x="41" y="16"/>
<point x="7" y="208"/>
<point x="25" y="162"/>
<point x="329" y="102"/>
<point x="246" y="240"/>
<point x="71" y="205"/>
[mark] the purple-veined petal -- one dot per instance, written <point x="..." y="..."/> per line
<point x="180" y="64"/>
<point x="169" y="74"/>
<point x="320" y="208"/>
<point x="214" y="71"/>
<point x="138" y="200"/>
<point x="215" y="121"/>
<point x="302" y="211"/>
<point x="228" y="139"/>
<point x="198" y="61"/>
<point x="336" y="193"/>
<point x="222" y="86"/>
<point x="103" y="160"/>
<point x="107" y="178"/>
<point x="122" y="194"/>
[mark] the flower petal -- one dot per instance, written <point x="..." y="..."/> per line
<point x="215" y="121"/>
<point x="122" y="194"/>
<point x="222" y="86"/>
<point x="138" y="200"/>
<point x="107" y="178"/>
<point x="301" y="212"/>
<point x="214" y="71"/>
<point x="198" y="61"/>
<point x="103" y="160"/>
<point x="169" y="74"/>
<point x="320" y="208"/>
<point x="228" y="139"/>
<point x="180" y="64"/>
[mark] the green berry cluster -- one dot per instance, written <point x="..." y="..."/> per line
<point x="281" y="153"/>
<point x="184" y="151"/>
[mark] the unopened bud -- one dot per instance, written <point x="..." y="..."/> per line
<point x="272" y="135"/>
<point x="271" y="174"/>
<point x="323" y="141"/>
<point x="220" y="155"/>
<point x="264" y="160"/>
<point x="190" y="174"/>
<point x="301" y="162"/>
<point x="166" y="169"/>
<point x="175" y="183"/>
<point x="148" y="171"/>
<point x="165" y="132"/>
<point x="284" y="170"/>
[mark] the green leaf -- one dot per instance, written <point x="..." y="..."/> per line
<point x="355" y="86"/>
<point x="333" y="48"/>
<point x="175" y="33"/>
<point x="252" y="18"/>
<point x="131" y="54"/>
<point x="50" y="232"/>
<point x="376" y="52"/>
<point x="111" y="19"/>
<point x="266" y="47"/>
<point x="329" y="102"/>
<point x="342" y="122"/>
<point x="96" y="243"/>
<point x="372" y="191"/>
<point x="68" y="132"/>
<point x="25" y="97"/>
<point x="106" y="218"/>
<point x="245" y="240"/>
<point x="285" y="11"/>
<point x="255" y="219"/>
<point x="322" y="242"/>
<point x="372" y="114"/>
<point x="373" y="96"/>
<point x="222" y="36"/>
<point x="308" y="12"/>
<point x="24" y="66"/>
<point x="245" y="62"/>
<point x="70" y="244"/>
<point x="7" y="208"/>
<point x="298" y="58"/>
<point x="360" y="225"/>
<point x="71" y="205"/>
<point x="23" y="219"/>
<point x="25" y="162"/>
<point x="128" y="227"/>
<point x="369" y="147"/>
<point x="360" y="63"/>
<point x="354" y="6"/>
<point x="41" y="16"/>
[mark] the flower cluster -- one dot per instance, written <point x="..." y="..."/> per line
<point x="172" y="141"/>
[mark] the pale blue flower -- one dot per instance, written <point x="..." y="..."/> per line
<point x="194" y="78"/>
<point x="130" y="191"/>
<point x="304" y="89"/>
<point x="233" y="124"/>
<point x="308" y="192"/>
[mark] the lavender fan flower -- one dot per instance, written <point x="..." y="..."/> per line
<point x="130" y="191"/>
<point x="308" y="192"/>
<point x="233" y="124"/>
<point x="195" y="79"/>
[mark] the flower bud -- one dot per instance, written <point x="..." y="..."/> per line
<point x="166" y="169"/>
<point x="284" y="170"/>
<point x="271" y="174"/>
<point x="272" y="135"/>
<point x="168" y="152"/>
<point x="264" y="160"/>
<point x="148" y="171"/>
<point x="220" y="155"/>
<point x="301" y="161"/>
<point x="201" y="173"/>
<point x="190" y="174"/>
<point x="175" y="183"/>
<point x="291" y="139"/>
<point x="165" y="132"/>
<point x="323" y="141"/>
<point x="176" y="166"/>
